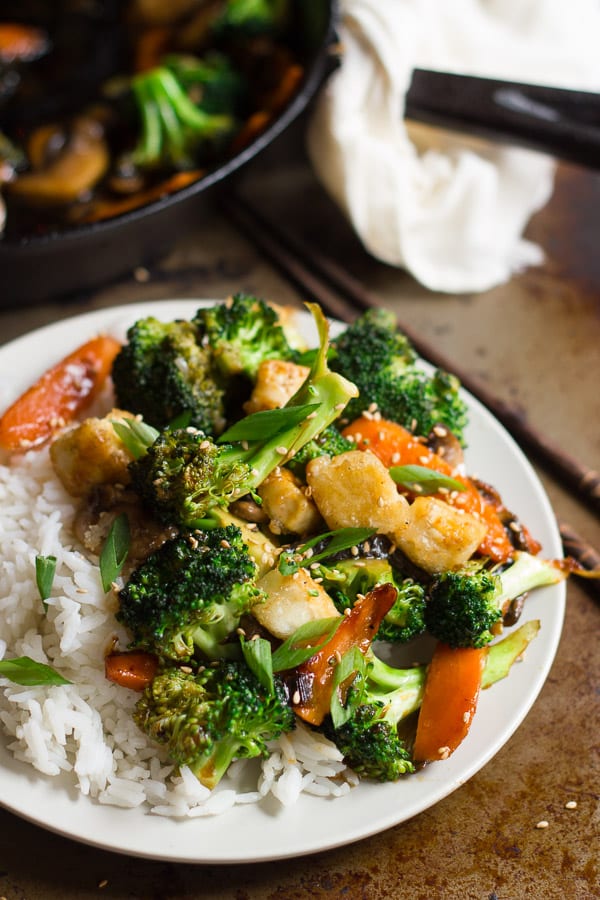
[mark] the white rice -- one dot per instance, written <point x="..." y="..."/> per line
<point x="85" y="728"/>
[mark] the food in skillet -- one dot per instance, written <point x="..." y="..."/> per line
<point x="235" y="574"/>
<point x="106" y="107"/>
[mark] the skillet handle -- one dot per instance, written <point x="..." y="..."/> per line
<point x="564" y="123"/>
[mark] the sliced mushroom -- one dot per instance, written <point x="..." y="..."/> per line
<point x="73" y="172"/>
<point x="445" y="444"/>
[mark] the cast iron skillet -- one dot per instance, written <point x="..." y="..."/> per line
<point x="55" y="265"/>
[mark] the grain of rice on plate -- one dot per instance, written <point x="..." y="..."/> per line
<point x="86" y="728"/>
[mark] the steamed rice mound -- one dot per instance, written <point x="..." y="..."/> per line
<point x="85" y="728"/>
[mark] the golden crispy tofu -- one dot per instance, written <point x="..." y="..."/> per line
<point x="285" y="502"/>
<point x="439" y="537"/>
<point x="356" y="490"/>
<point x="292" y="601"/>
<point x="91" y="454"/>
<point x="276" y="382"/>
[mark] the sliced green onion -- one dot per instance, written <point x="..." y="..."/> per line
<point x="342" y="539"/>
<point x="267" y="423"/>
<point x="351" y="666"/>
<point x="45" y="569"/>
<point x="115" y="550"/>
<point x="257" y="653"/>
<point x="423" y="480"/>
<point x="296" y="650"/>
<point x="26" y="671"/>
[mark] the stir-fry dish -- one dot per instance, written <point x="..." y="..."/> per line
<point x="105" y="107"/>
<point x="257" y="526"/>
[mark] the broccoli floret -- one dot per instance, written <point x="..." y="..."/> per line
<point x="464" y="605"/>
<point x="175" y="130"/>
<point x="383" y="365"/>
<point x="369" y="739"/>
<point x="329" y="443"/>
<point x="346" y="579"/>
<point x="211" y="78"/>
<point x="188" y="597"/>
<point x="253" y="17"/>
<point x="184" y="474"/>
<point x="163" y="372"/>
<point x="241" y="334"/>
<point x="208" y="719"/>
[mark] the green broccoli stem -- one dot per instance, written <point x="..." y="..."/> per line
<point x="171" y="122"/>
<point x="210" y="768"/>
<point x="402" y="689"/>
<point x="328" y="389"/>
<point x="526" y="573"/>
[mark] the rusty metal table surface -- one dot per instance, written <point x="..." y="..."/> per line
<point x="536" y="342"/>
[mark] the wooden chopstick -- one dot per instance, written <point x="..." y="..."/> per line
<point x="343" y="296"/>
<point x="586" y="555"/>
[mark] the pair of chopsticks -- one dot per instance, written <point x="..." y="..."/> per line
<point x="558" y="121"/>
<point x="344" y="297"/>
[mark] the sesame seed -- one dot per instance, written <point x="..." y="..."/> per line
<point x="358" y="437"/>
<point x="340" y="406"/>
<point x="187" y="670"/>
<point x="571" y="804"/>
<point x="245" y="445"/>
<point x="296" y="698"/>
<point x="225" y="544"/>
<point x="204" y="445"/>
<point x="514" y="526"/>
<point x="443" y="752"/>
<point x="281" y="449"/>
<point x="251" y="526"/>
<point x="311" y="415"/>
<point x="354" y="551"/>
<point x="542" y="824"/>
<point x="466" y="716"/>
<point x="381" y="435"/>
<point x="104" y="882"/>
<point x="395" y="458"/>
<point x="241" y="632"/>
<point x="413" y="425"/>
<point x="423" y="459"/>
<point x="440" y="431"/>
<point x="347" y="611"/>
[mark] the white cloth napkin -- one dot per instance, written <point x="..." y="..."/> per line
<point x="449" y="209"/>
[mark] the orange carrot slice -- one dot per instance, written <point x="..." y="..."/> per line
<point x="313" y="679"/>
<point x="58" y="396"/>
<point x="134" y="669"/>
<point x="449" y="701"/>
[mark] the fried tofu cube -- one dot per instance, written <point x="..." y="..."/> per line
<point x="292" y="601"/>
<point x="91" y="454"/>
<point x="276" y="382"/>
<point x="354" y="490"/>
<point x="285" y="502"/>
<point x="439" y="537"/>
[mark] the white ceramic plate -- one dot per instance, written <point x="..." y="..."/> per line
<point x="259" y="833"/>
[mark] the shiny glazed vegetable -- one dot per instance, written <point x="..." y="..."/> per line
<point x="104" y="108"/>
